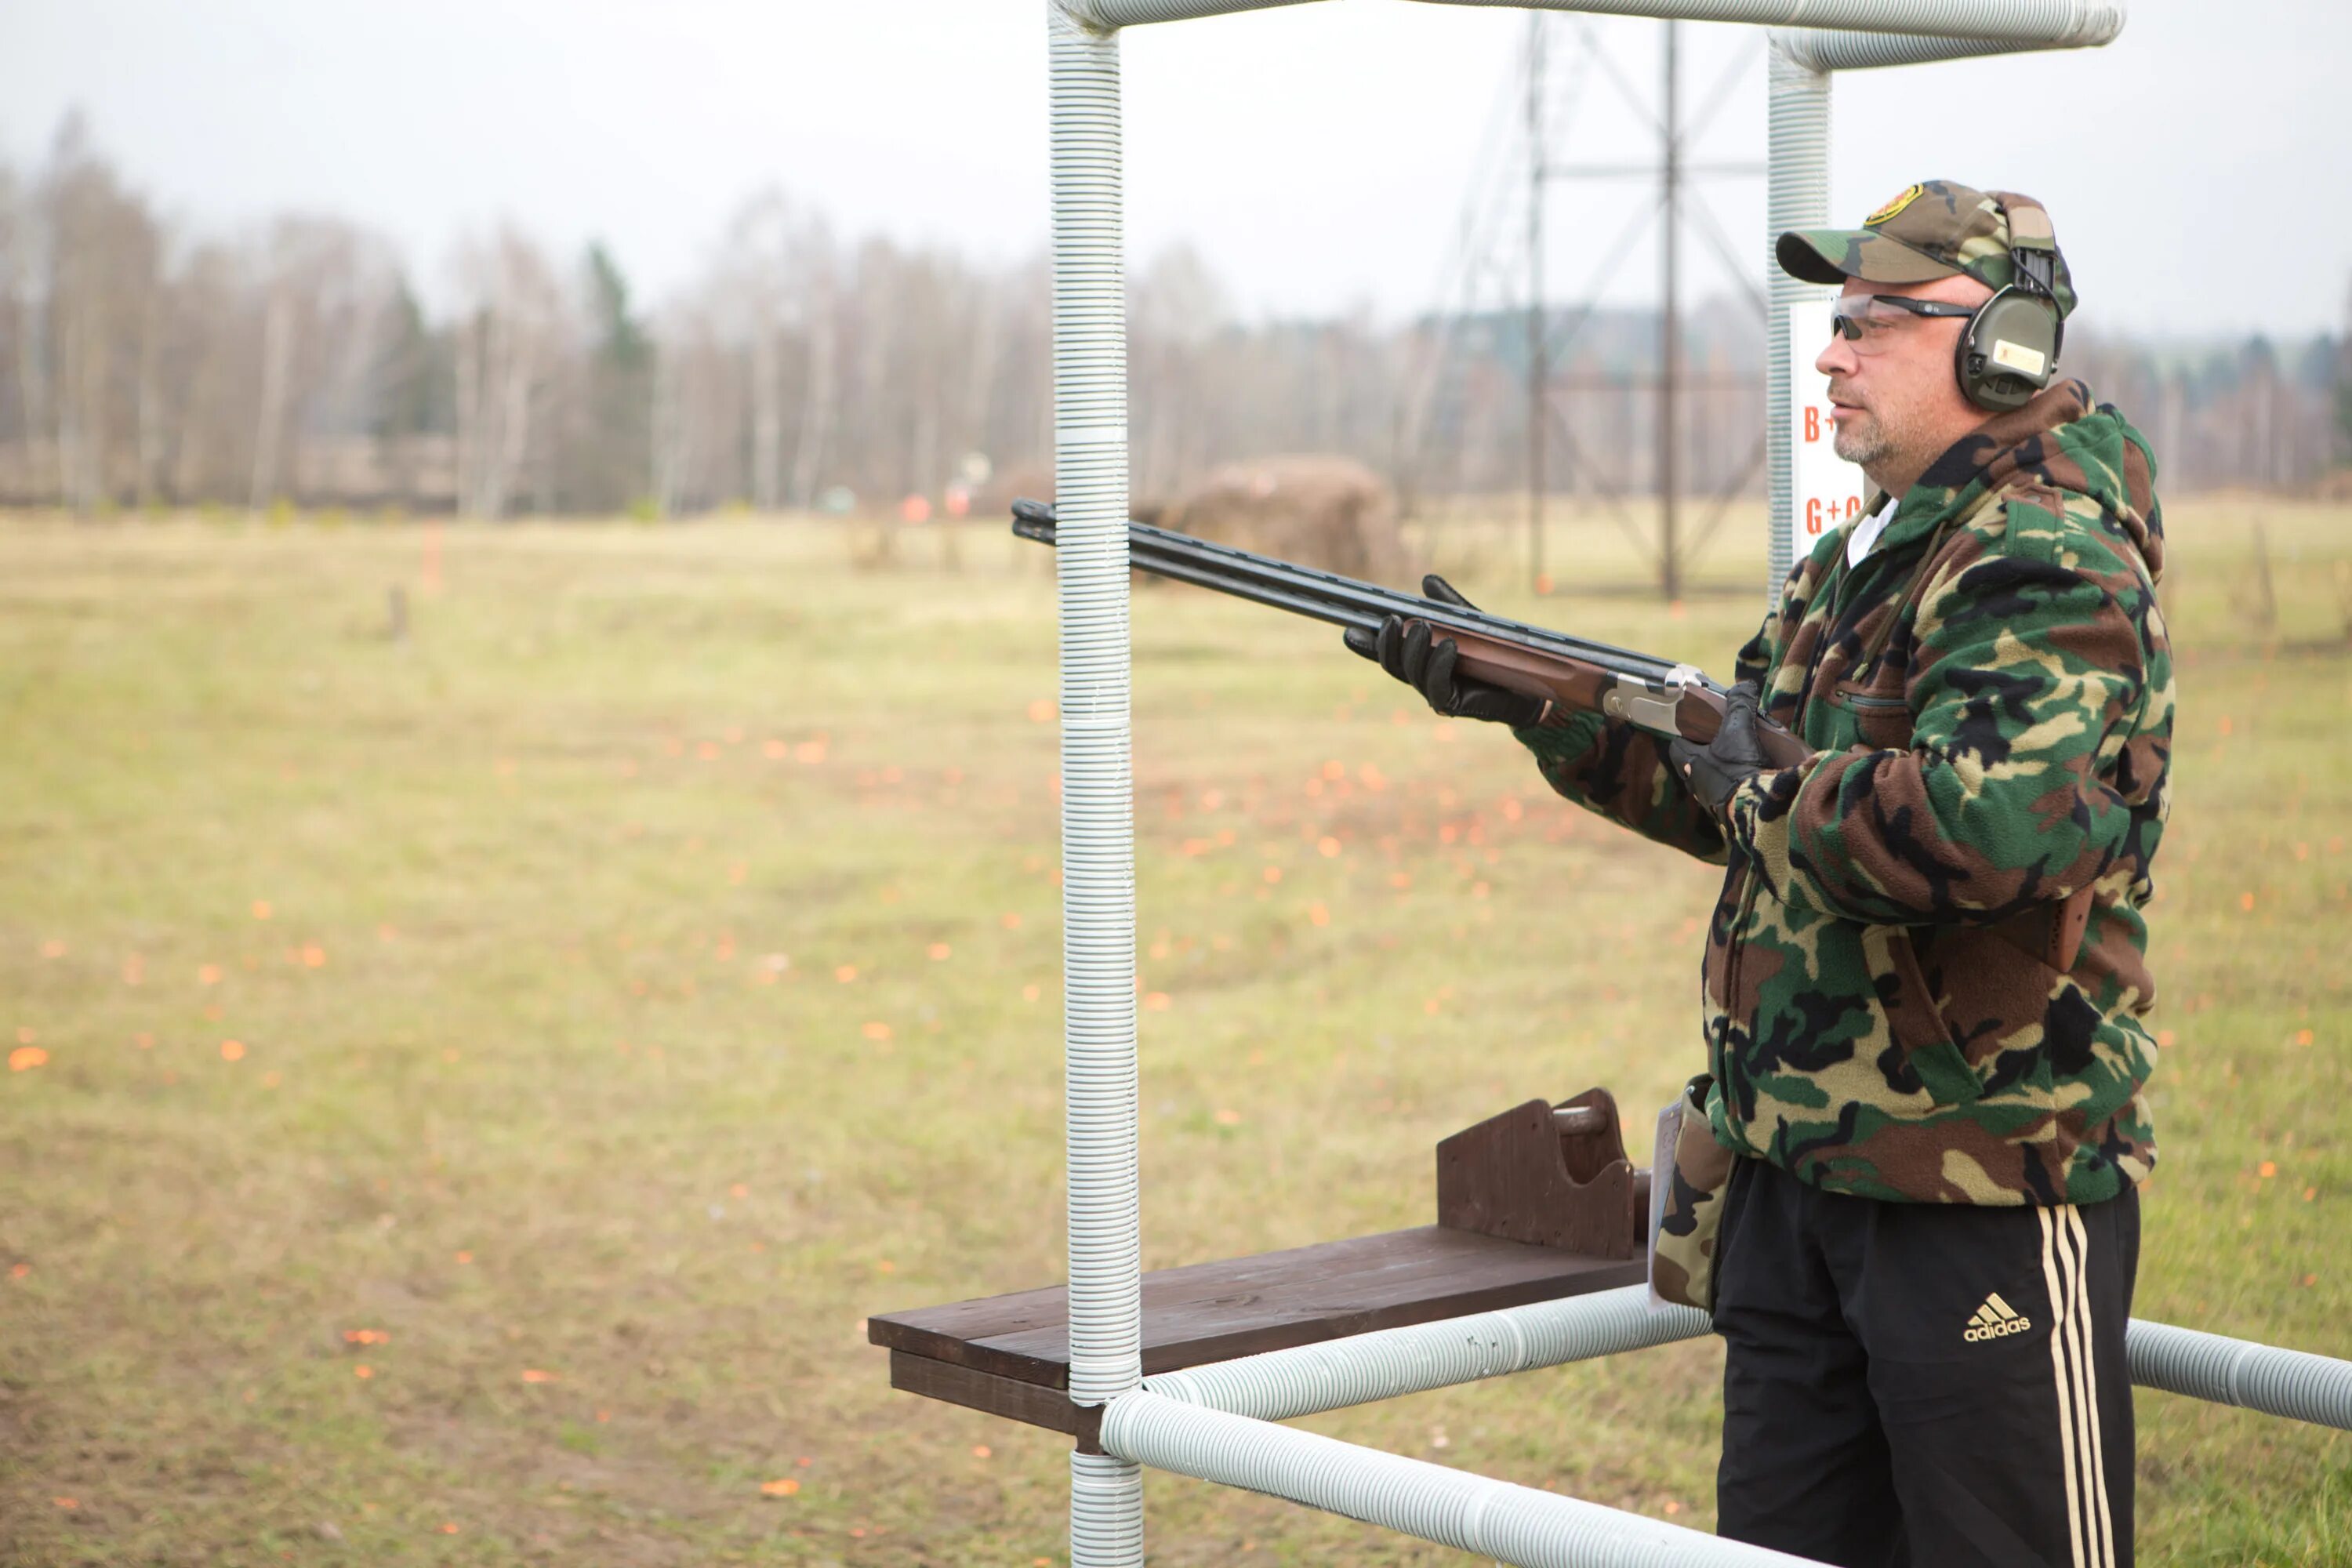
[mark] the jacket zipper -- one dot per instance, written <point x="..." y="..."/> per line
<point x="1736" y="948"/>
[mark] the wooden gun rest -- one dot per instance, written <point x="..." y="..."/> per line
<point x="1535" y="1204"/>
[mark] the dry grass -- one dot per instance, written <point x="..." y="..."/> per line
<point x="657" y="972"/>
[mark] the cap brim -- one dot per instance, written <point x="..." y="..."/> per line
<point x="1834" y="254"/>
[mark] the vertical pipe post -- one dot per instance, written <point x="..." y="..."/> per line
<point x="1670" y="347"/>
<point x="1106" y="1512"/>
<point x="1797" y="195"/>
<point x="1538" y="403"/>
<point x="1098" y="821"/>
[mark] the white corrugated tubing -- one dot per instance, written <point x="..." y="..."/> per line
<point x="1306" y="1379"/>
<point x="1106" y="1270"/>
<point x="2053" y="23"/>
<point x="1279" y="1385"/>
<point x="1216" y="1423"/>
<point x="1510" y="1523"/>
<point x="1097" y="822"/>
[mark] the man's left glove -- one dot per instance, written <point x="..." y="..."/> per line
<point x="1425" y="661"/>
<point x="1733" y="757"/>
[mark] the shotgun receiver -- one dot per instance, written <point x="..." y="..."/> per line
<point x="1650" y="693"/>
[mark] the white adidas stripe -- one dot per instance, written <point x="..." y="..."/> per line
<point x="2070" y="1275"/>
<point x="2065" y="1385"/>
<point x="2100" y="1511"/>
<point x="2065" y="1268"/>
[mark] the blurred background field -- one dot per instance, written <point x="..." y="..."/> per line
<point x="493" y="1006"/>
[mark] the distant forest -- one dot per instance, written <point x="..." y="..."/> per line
<point x="146" y="362"/>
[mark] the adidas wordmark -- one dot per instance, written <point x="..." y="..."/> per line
<point x="1995" y="1320"/>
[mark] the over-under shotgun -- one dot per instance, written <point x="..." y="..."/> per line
<point x="1651" y="693"/>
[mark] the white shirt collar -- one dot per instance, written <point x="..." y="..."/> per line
<point x="1865" y="537"/>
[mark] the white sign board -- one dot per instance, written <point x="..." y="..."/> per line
<point x="1824" y="490"/>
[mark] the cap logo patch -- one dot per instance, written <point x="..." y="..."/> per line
<point x="1910" y="194"/>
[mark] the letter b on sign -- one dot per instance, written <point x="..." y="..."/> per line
<point x="1823" y="487"/>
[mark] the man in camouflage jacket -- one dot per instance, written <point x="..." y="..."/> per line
<point x="1926" y="975"/>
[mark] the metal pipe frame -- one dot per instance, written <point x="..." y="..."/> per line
<point x="1496" y="1520"/>
<point x="1796" y="196"/>
<point x="1102" y="1124"/>
<point x="2045" y="24"/>
<point x="1279" y="1385"/>
<point x="1216" y="1423"/>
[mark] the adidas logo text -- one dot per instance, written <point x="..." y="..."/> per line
<point x="1995" y="1320"/>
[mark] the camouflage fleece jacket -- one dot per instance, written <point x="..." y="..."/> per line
<point x="1990" y="697"/>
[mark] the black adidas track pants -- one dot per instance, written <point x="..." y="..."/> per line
<point x="1924" y="1385"/>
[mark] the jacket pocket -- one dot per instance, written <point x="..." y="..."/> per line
<point x="1877" y="711"/>
<point x="1691" y="1172"/>
<point x="1913" y="1019"/>
<point x="2014" y="1018"/>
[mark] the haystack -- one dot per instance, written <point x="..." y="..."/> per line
<point x="1312" y="509"/>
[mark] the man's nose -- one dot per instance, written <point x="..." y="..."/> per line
<point x="1837" y="357"/>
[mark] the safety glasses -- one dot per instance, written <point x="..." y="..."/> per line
<point x="1869" y="321"/>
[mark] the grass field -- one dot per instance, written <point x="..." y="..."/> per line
<point x="469" y="1087"/>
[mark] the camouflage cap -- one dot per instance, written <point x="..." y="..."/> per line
<point x="1933" y="229"/>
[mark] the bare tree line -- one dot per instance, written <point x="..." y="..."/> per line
<point x="144" y="363"/>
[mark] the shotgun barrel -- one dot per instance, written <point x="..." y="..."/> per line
<point x="1328" y="596"/>
<point x="1573" y="674"/>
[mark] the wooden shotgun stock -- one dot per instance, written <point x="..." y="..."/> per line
<point x="1684" y="702"/>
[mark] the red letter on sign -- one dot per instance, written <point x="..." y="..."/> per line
<point x="1813" y="515"/>
<point x="1812" y="424"/>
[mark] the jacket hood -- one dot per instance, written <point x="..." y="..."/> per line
<point x="2060" y="439"/>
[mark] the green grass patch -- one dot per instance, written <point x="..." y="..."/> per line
<point x="473" y="1084"/>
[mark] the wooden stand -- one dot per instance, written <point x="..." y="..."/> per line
<point x="1533" y="1204"/>
<point x="1552" y="1176"/>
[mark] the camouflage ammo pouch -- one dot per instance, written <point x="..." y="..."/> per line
<point x="1690" y="1172"/>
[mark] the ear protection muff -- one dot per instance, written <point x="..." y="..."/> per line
<point x="2009" y="351"/>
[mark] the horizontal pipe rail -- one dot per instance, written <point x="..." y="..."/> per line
<point x="1105" y="14"/>
<point x="2269" y="1378"/>
<point x="2050" y="24"/>
<point x="1832" y="50"/>
<point x="1216" y="1423"/>
<point x="2063" y="23"/>
<point x="1498" y="1519"/>
<point x="1277" y="1385"/>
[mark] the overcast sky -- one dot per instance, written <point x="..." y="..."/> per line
<point x="1319" y="157"/>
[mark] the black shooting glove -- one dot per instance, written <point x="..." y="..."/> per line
<point x="1425" y="662"/>
<point x="1734" y="756"/>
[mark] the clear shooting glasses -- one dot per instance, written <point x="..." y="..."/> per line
<point x="1871" y="322"/>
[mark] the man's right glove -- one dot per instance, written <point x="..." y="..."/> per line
<point x="1425" y="662"/>
<point x="1731" y="759"/>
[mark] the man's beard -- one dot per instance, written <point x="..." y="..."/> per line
<point x="1862" y="438"/>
